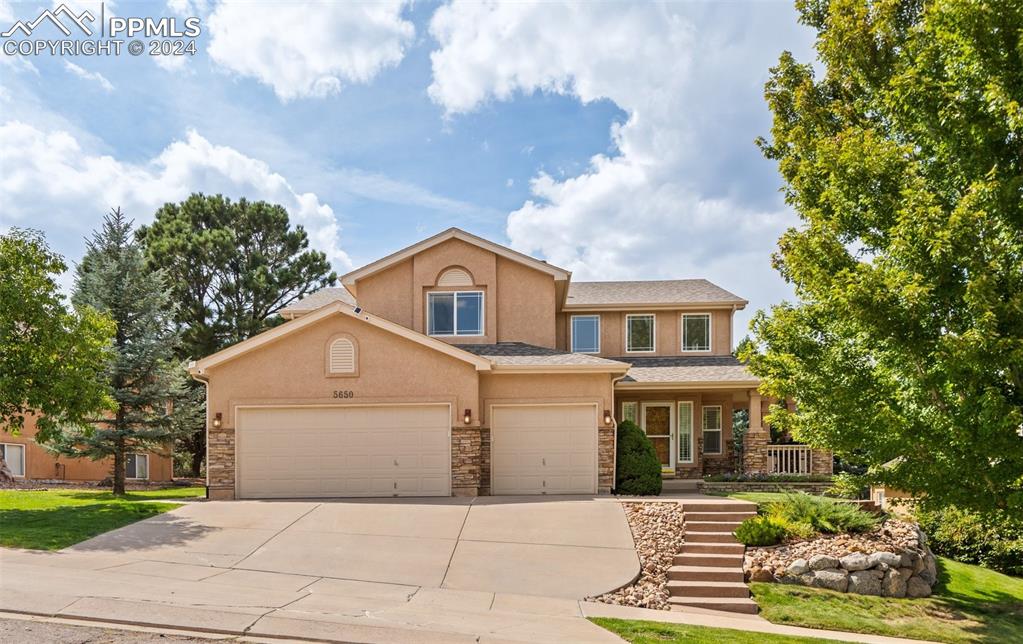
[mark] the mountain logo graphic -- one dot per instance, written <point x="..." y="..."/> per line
<point x="54" y="17"/>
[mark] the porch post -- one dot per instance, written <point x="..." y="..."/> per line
<point x="755" y="442"/>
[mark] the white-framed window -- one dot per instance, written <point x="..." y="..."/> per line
<point x="712" y="429"/>
<point x="696" y="331"/>
<point x="136" y="466"/>
<point x="341" y="358"/>
<point x="585" y="334"/>
<point x="640" y="333"/>
<point x="629" y="412"/>
<point x="14" y="455"/>
<point x="455" y="313"/>
<point x="685" y="432"/>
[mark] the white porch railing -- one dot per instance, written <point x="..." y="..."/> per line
<point x="788" y="459"/>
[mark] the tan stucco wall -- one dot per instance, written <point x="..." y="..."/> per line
<point x="520" y="302"/>
<point x="668" y="327"/>
<point x="389" y="294"/>
<point x="42" y="464"/>
<point x="292" y="370"/>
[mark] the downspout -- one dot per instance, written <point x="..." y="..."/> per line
<point x="614" y="426"/>
<point x="206" y="382"/>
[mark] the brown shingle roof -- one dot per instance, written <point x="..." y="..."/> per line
<point x="687" y="369"/>
<point x="318" y="298"/>
<point x="520" y="353"/>
<point x="696" y="291"/>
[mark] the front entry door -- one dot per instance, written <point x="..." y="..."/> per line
<point x="657" y="423"/>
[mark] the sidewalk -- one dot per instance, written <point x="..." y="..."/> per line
<point x="207" y="599"/>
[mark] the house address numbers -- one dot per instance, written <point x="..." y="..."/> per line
<point x="344" y="393"/>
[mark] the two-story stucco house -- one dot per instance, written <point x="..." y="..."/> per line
<point x="459" y="366"/>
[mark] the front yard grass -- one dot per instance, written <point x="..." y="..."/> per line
<point x="754" y="497"/>
<point x="55" y="519"/>
<point x="969" y="604"/>
<point x="643" y="632"/>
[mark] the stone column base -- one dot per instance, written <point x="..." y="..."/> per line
<point x="465" y="491"/>
<point x="221" y="493"/>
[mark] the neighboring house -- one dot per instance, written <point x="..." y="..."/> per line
<point x="27" y="459"/>
<point x="459" y="366"/>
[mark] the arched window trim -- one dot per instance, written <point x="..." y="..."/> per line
<point x="448" y="269"/>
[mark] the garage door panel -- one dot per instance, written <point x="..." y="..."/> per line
<point x="543" y="450"/>
<point x="344" y="451"/>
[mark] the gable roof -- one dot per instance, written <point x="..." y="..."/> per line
<point x="519" y="356"/>
<point x="349" y="279"/>
<point x="649" y="292"/>
<point x="316" y="299"/>
<point x="198" y="368"/>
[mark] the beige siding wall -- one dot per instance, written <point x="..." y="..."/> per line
<point x="668" y="330"/>
<point x="42" y="464"/>
<point x="519" y="302"/>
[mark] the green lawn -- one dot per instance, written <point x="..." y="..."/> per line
<point x="755" y="497"/>
<point x="642" y="632"/>
<point x="970" y="604"/>
<point x="55" y="519"/>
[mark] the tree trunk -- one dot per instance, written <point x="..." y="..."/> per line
<point x="198" y="452"/>
<point x="6" y="475"/>
<point x="119" y="463"/>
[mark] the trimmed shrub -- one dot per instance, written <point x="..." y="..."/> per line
<point x="846" y="486"/>
<point x="805" y="515"/>
<point x="965" y="536"/>
<point x="638" y="469"/>
<point x="760" y="531"/>
<point x="737" y="477"/>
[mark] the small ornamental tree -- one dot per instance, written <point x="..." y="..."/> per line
<point x="143" y="377"/>
<point x="638" y="470"/>
<point x="51" y="358"/>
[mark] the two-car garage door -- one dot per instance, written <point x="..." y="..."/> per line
<point x="291" y="452"/>
<point x="544" y="449"/>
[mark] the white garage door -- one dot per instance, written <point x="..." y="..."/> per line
<point x="544" y="450"/>
<point x="344" y="451"/>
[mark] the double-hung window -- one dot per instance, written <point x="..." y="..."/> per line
<point x="685" y="432"/>
<point x="712" y="429"/>
<point x="14" y="456"/>
<point x="585" y="334"/>
<point x="696" y="332"/>
<point x="136" y="466"/>
<point x="458" y="313"/>
<point x="639" y="333"/>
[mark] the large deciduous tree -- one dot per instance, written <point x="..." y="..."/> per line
<point x="232" y="267"/>
<point x="904" y="160"/>
<point x="142" y="373"/>
<point x="51" y="358"/>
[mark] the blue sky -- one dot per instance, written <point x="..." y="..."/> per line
<point x="615" y="140"/>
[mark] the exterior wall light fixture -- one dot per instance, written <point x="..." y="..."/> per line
<point x="218" y="420"/>
<point x="467" y="418"/>
<point x="607" y="417"/>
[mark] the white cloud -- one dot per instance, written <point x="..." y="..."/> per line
<point x="303" y="49"/>
<point x="47" y="177"/>
<point x="657" y="206"/>
<point x="85" y="74"/>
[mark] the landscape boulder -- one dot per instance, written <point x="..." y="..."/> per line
<point x="866" y="582"/>
<point x="823" y="562"/>
<point x="917" y="587"/>
<point x="855" y="561"/>
<point x="887" y="558"/>
<point x="832" y="579"/>
<point x="798" y="567"/>
<point x="894" y="583"/>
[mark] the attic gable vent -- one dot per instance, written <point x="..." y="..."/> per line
<point x="342" y="356"/>
<point x="455" y="277"/>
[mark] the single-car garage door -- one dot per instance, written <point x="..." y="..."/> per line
<point x="537" y="449"/>
<point x="344" y="451"/>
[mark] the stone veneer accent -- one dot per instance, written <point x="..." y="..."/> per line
<point x="465" y="461"/>
<point x="822" y="461"/>
<point x="754" y="454"/>
<point x="220" y="463"/>
<point x="605" y="459"/>
<point x="484" y="461"/>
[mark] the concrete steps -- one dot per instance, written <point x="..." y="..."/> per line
<point x="705" y="573"/>
<point x="708" y="573"/>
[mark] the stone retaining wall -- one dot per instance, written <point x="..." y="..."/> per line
<point x="817" y="488"/>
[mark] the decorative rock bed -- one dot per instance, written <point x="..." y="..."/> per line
<point x="893" y="560"/>
<point x="657" y="531"/>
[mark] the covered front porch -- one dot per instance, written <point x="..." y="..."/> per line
<point x="687" y="407"/>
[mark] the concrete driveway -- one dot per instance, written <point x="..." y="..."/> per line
<point x="570" y="547"/>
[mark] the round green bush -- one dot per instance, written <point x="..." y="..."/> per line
<point x="992" y="542"/>
<point x="638" y="470"/>
<point x="760" y="531"/>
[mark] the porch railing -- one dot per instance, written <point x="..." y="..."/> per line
<point x="788" y="459"/>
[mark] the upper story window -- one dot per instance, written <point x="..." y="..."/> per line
<point x="458" y="313"/>
<point x="586" y="334"/>
<point x="639" y="333"/>
<point x="341" y="357"/>
<point x="696" y="332"/>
